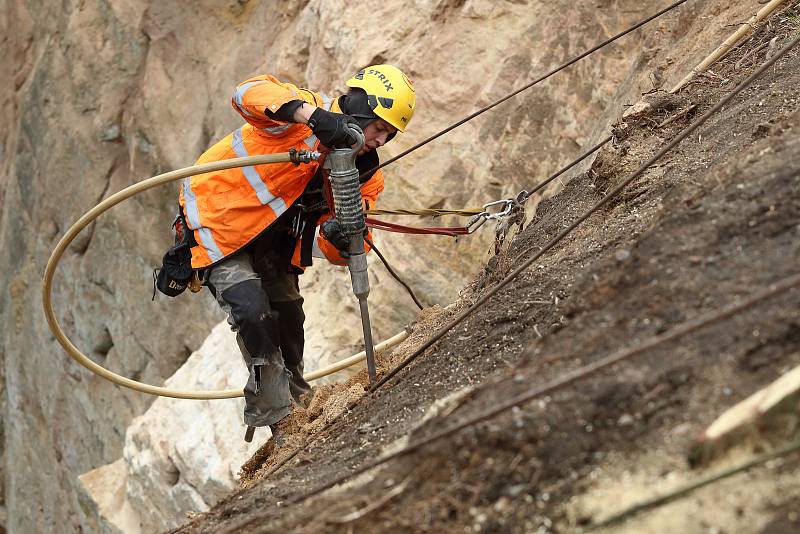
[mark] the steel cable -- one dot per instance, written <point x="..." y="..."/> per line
<point x="692" y="486"/>
<point x="561" y="171"/>
<point x="353" y="404"/>
<point x="640" y="171"/>
<point x="783" y="285"/>
<point x="528" y="86"/>
<point x="394" y="274"/>
<point x="528" y="194"/>
<point x="688" y="327"/>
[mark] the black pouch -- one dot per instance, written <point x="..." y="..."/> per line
<point x="173" y="277"/>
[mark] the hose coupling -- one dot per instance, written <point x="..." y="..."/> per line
<point x="302" y="156"/>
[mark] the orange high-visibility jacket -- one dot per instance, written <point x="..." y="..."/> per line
<point x="228" y="209"/>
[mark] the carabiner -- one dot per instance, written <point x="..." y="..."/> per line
<point x="476" y="221"/>
<point x="505" y="212"/>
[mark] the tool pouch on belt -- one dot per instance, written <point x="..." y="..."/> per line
<point x="312" y="205"/>
<point x="176" y="267"/>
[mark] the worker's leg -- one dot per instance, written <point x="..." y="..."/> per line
<point x="290" y="321"/>
<point x="238" y="289"/>
<point x="284" y="295"/>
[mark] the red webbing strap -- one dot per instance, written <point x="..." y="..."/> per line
<point x="392" y="227"/>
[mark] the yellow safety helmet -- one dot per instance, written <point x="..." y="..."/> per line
<point x="390" y="93"/>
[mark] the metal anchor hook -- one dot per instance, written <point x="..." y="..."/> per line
<point x="509" y="212"/>
<point x="476" y="221"/>
<point x="513" y="214"/>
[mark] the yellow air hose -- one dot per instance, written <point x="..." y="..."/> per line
<point x="113" y="200"/>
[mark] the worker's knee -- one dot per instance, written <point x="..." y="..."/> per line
<point x="290" y="312"/>
<point x="248" y="304"/>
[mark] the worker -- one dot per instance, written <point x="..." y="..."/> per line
<point x="253" y="230"/>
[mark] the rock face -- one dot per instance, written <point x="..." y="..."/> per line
<point x="180" y="455"/>
<point x="100" y="94"/>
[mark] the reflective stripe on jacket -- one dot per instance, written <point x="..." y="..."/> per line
<point x="228" y="209"/>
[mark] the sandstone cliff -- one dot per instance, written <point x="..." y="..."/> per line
<point x="100" y="94"/>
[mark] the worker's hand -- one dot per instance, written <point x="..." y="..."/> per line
<point x="332" y="231"/>
<point x="331" y="128"/>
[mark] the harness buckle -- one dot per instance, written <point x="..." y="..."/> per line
<point x="299" y="222"/>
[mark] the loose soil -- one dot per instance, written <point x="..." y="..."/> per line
<point x="717" y="219"/>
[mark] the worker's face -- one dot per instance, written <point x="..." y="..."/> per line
<point x="376" y="134"/>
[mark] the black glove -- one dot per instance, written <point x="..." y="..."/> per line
<point x="331" y="128"/>
<point x="332" y="231"/>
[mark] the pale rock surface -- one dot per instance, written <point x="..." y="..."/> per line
<point x="99" y="94"/>
<point x="104" y="500"/>
<point x="180" y="455"/>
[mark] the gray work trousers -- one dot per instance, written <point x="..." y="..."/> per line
<point x="265" y="310"/>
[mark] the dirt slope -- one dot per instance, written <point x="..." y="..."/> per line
<point x="717" y="219"/>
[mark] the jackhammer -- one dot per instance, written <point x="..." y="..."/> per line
<point x="346" y="189"/>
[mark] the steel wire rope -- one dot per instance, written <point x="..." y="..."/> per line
<point x="720" y="52"/>
<point x="473" y="211"/>
<point x="394" y="274"/>
<point x="552" y="177"/>
<point x="116" y="198"/>
<point x="684" y="490"/>
<point x="640" y="171"/>
<point x="574" y="162"/>
<point x="535" y="189"/>
<point x="353" y="404"/>
<point x="528" y="86"/>
<point x="779" y="287"/>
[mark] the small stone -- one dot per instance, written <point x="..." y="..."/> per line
<point x="515" y="490"/>
<point x="502" y="504"/>
<point x="622" y="254"/>
<point x="625" y="419"/>
<point x="111" y="133"/>
<point x="144" y="145"/>
<point x="681" y="430"/>
<point x="638" y="108"/>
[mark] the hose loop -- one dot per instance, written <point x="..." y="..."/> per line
<point x="303" y="156"/>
